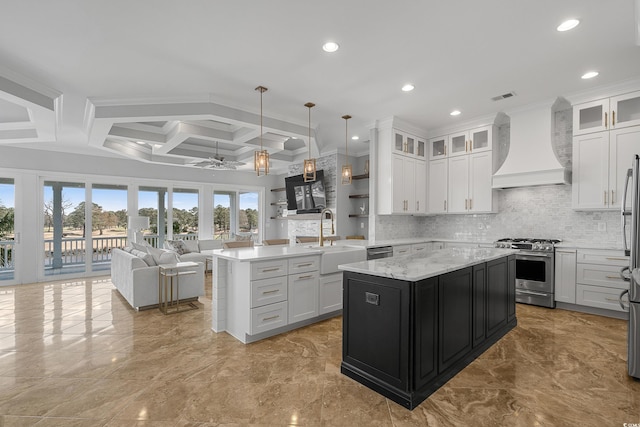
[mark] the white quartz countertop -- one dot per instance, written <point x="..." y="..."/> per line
<point x="261" y="253"/>
<point x="426" y="264"/>
<point x="405" y="241"/>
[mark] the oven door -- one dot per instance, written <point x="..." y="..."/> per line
<point x="534" y="271"/>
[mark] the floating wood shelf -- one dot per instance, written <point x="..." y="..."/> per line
<point x="358" y="215"/>
<point x="359" y="196"/>
<point x="278" y="189"/>
<point x="363" y="176"/>
<point x="278" y="203"/>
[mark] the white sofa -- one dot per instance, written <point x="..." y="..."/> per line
<point x="137" y="280"/>
<point x="195" y="248"/>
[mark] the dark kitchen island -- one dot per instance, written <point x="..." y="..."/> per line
<point x="411" y="323"/>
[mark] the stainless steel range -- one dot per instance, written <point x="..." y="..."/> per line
<point x="534" y="270"/>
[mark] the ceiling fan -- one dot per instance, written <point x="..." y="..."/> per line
<point x="217" y="162"/>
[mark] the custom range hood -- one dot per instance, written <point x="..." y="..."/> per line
<point x="531" y="160"/>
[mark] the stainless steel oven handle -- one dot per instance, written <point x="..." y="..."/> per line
<point x="626" y="291"/>
<point x="532" y="256"/>
<point x="522" y="291"/>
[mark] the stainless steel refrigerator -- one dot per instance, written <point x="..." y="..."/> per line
<point x="631" y="238"/>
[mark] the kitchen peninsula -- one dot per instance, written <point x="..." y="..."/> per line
<point x="411" y="323"/>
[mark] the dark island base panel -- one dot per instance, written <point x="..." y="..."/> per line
<point x="412" y="400"/>
<point x="406" y="339"/>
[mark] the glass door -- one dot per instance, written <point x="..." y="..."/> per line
<point x="152" y="202"/>
<point x="64" y="228"/>
<point x="249" y="214"/>
<point x="7" y="231"/>
<point x="108" y="223"/>
<point x="185" y="214"/>
<point x="224" y="214"/>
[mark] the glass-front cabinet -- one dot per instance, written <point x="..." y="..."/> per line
<point x="407" y="144"/>
<point x="471" y="141"/>
<point x="607" y="114"/>
<point x="438" y="147"/>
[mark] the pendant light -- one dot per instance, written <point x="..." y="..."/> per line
<point x="261" y="158"/>
<point x="347" y="170"/>
<point x="309" y="173"/>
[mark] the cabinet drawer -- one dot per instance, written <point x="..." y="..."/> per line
<point x="266" y="269"/>
<point x="600" y="275"/>
<point x="419" y="248"/>
<point x="268" y="317"/>
<point x="268" y="291"/>
<point x="603" y="257"/>
<point x="598" y="296"/>
<point x="401" y="250"/>
<point x="304" y="264"/>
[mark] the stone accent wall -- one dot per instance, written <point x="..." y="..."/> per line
<point x="310" y="227"/>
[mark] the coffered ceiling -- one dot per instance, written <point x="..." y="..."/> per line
<point x="165" y="82"/>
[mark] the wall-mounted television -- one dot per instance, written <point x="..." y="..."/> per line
<point x="305" y="197"/>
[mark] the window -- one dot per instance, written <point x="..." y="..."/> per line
<point x="185" y="214"/>
<point x="108" y="222"/>
<point x="7" y="231"/>
<point x="236" y="212"/>
<point x="152" y="202"/>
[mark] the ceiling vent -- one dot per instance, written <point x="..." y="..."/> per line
<point x="503" y="96"/>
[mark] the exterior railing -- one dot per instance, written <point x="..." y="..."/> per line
<point x="6" y="255"/>
<point x="73" y="249"/>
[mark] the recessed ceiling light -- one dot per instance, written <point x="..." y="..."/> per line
<point x="355" y="137"/>
<point x="590" y="75"/>
<point x="567" y="25"/>
<point x="408" y="87"/>
<point x="455" y="113"/>
<point x="330" y="47"/>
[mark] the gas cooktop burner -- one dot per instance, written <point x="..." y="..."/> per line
<point x="531" y="244"/>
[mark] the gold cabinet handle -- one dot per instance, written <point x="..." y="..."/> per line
<point x="605" y="121"/>
<point x="308" y="264"/>
<point x="445" y="150"/>
<point x="466" y="204"/>
<point x="614" y="277"/>
<point x="613" y="118"/>
<point x="445" y="205"/>
<point x="271" y="318"/>
<point x="267" y="270"/>
<point x="617" y="259"/>
<point x="612" y="197"/>
<point x="470" y="204"/>
<point x="417" y="205"/>
<point x="470" y="146"/>
<point x="605" y="197"/>
<point x="308" y="276"/>
<point x="270" y="292"/>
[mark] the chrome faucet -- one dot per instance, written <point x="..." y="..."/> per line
<point x="321" y="239"/>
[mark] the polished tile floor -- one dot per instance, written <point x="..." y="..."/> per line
<point x="72" y="353"/>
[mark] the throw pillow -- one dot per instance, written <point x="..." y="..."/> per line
<point x="155" y="253"/>
<point x="146" y="257"/>
<point x="192" y="245"/>
<point x="168" y="257"/>
<point x="178" y="246"/>
<point x="128" y="249"/>
<point x="139" y="246"/>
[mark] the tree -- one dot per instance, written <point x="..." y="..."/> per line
<point x="7" y="216"/>
<point x="48" y="211"/>
<point x="221" y="218"/>
<point x="252" y="218"/>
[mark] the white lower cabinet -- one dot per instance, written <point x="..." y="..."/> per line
<point x="598" y="281"/>
<point x="330" y="293"/>
<point x="268" y="317"/>
<point x="303" y="296"/>
<point x="565" y="276"/>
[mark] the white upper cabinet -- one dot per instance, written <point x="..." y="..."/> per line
<point x="471" y="141"/>
<point x="600" y="163"/>
<point x="461" y="170"/>
<point x="402" y="172"/>
<point x="438" y="147"/>
<point x="438" y="176"/>
<point x="409" y="145"/>
<point x="607" y="114"/>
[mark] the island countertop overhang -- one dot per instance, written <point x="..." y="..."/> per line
<point x="424" y="265"/>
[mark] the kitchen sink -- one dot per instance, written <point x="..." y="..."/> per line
<point x="332" y="256"/>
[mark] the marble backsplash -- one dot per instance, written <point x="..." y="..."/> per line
<point x="522" y="212"/>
